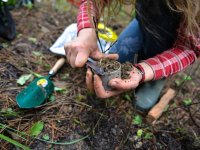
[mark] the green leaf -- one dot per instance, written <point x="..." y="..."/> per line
<point x="22" y="80"/>
<point x="5" y="45"/>
<point x="139" y="133"/>
<point x="29" y="5"/>
<point x="52" y="98"/>
<point x="32" y="39"/>
<point x="65" y="76"/>
<point x="137" y="120"/>
<point x="166" y="108"/>
<point x="46" y="137"/>
<point x="187" y="102"/>
<point x="37" y="75"/>
<point x="36" y="53"/>
<point x="80" y="97"/>
<point x="36" y="129"/>
<point x="57" y="89"/>
<point x="178" y="83"/>
<point x="16" y="143"/>
<point x="148" y="136"/>
<point x="9" y="112"/>
<point x="187" y="78"/>
<point x="180" y="130"/>
<point x="128" y="97"/>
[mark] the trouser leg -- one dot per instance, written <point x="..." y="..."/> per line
<point x="129" y="42"/>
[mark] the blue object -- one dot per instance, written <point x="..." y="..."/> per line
<point x="148" y="94"/>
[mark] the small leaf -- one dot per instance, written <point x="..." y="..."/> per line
<point x="180" y="130"/>
<point x="29" y="5"/>
<point x="187" y="78"/>
<point x="5" y="45"/>
<point x="80" y="97"/>
<point x="22" y="80"/>
<point x="187" y="102"/>
<point x="52" y="98"/>
<point x="36" y="53"/>
<point x="58" y="89"/>
<point x="37" y="75"/>
<point x="46" y="137"/>
<point x="36" y="129"/>
<point x="166" y="108"/>
<point x="8" y="112"/>
<point x="65" y="76"/>
<point x="174" y="105"/>
<point x="178" y="83"/>
<point x="137" y="120"/>
<point x="139" y="133"/>
<point x="32" y="39"/>
<point x="128" y="97"/>
<point x="148" y="136"/>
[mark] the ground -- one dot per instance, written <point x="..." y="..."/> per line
<point x="74" y="113"/>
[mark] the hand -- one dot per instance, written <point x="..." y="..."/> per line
<point x="119" y="85"/>
<point x="85" y="45"/>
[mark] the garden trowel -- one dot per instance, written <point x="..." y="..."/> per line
<point x="39" y="90"/>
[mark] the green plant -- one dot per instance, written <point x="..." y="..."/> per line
<point x="14" y="142"/>
<point x="139" y="133"/>
<point x="37" y="128"/>
<point x="22" y="135"/>
<point x="137" y="120"/>
<point x="187" y="102"/>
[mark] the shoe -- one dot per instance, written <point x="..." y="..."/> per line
<point x="147" y="95"/>
<point x="7" y="24"/>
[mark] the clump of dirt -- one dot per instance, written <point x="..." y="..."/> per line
<point x="109" y="65"/>
<point x="126" y="68"/>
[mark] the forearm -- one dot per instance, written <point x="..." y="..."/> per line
<point x="84" y="20"/>
<point x="185" y="51"/>
<point x="169" y="63"/>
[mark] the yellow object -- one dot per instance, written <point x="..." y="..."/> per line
<point x="42" y="82"/>
<point x="106" y="33"/>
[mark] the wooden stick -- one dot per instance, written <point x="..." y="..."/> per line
<point x="158" y="109"/>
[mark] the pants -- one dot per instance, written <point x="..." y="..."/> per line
<point x="129" y="43"/>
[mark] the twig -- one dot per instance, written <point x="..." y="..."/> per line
<point x="193" y="120"/>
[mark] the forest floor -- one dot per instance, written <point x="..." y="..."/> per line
<point x="72" y="113"/>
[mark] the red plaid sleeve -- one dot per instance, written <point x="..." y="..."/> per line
<point x="83" y="19"/>
<point x="175" y="59"/>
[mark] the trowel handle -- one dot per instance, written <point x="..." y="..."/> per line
<point x="57" y="66"/>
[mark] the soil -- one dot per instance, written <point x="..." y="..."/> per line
<point x="126" y="68"/>
<point x="109" y="65"/>
<point x="74" y="112"/>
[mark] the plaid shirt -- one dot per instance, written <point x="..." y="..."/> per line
<point x="165" y="64"/>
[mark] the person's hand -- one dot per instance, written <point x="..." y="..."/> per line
<point x="94" y="83"/>
<point x="84" y="46"/>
